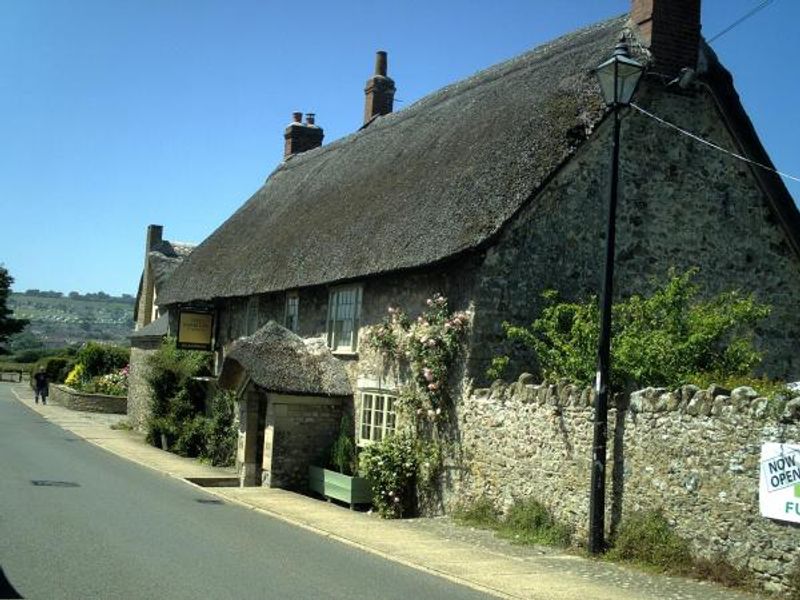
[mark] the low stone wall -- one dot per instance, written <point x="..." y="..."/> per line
<point x="692" y="453"/>
<point x="99" y="403"/>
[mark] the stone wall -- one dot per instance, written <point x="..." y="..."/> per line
<point x="694" y="454"/>
<point x="681" y="205"/>
<point x="407" y="290"/>
<point x="99" y="403"/>
<point x="138" y="389"/>
<point x="300" y="431"/>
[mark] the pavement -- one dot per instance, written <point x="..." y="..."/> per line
<point x="464" y="555"/>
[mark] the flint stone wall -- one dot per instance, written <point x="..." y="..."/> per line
<point x="692" y="453"/>
<point x="139" y="396"/>
<point x="99" y="403"/>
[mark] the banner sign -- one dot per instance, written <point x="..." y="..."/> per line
<point x="195" y="330"/>
<point x="779" y="488"/>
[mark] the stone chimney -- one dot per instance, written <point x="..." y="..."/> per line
<point x="144" y="312"/>
<point x="671" y="29"/>
<point x="300" y="136"/>
<point x="379" y="90"/>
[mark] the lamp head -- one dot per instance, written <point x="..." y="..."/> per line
<point x="619" y="76"/>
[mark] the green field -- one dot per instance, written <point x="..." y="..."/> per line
<point x="56" y="322"/>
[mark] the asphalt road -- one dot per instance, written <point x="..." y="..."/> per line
<point x="77" y="522"/>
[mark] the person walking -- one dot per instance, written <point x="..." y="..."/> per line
<point x="42" y="386"/>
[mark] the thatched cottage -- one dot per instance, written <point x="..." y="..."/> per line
<point x="489" y="191"/>
<point x="161" y="258"/>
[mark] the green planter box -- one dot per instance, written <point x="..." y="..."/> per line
<point x="333" y="485"/>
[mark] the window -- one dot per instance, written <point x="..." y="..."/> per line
<point x="344" y="311"/>
<point x="292" y="311"/>
<point x="378" y="416"/>
<point x="251" y="312"/>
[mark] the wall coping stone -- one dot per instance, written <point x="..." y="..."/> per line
<point x="689" y="399"/>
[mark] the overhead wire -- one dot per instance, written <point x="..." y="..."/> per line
<point x="764" y="4"/>
<point x="711" y="144"/>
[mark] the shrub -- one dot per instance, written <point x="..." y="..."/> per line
<point x="222" y="435"/>
<point x="481" y="513"/>
<point x="396" y="465"/>
<point x="100" y="359"/>
<point x="343" y="452"/>
<point x="192" y="435"/>
<point x="56" y="367"/>
<point x="666" y="339"/>
<point x="530" y="522"/>
<point x="646" y="538"/>
<point x="75" y="377"/>
<point x="719" y="570"/>
<point x="29" y="356"/>
<point x="177" y="400"/>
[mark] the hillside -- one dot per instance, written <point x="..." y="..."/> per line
<point x="57" y="321"/>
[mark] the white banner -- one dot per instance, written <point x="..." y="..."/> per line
<point x="779" y="488"/>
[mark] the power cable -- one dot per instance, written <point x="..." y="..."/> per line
<point x="764" y="4"/>
<point x="711" y="144"/>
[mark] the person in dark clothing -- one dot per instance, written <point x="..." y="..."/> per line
<point x="42" y="385"/>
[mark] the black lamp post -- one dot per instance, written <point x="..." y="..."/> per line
<point x="618" y="78"/>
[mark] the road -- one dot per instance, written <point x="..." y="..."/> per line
<point x="78" y="522"/>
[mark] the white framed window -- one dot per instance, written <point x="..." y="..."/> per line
<point x="344" y="312"/>
<point x="378" y="417"/>
<point x="290" y="320"/>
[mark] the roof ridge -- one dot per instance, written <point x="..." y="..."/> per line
<point x="446" y="93"/>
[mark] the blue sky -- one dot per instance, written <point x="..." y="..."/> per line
<point x="119" y="113"/>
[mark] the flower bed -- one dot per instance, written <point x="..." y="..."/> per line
<point x="62" y="395"/>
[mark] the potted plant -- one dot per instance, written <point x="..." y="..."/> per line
<point x="341" y="481"/>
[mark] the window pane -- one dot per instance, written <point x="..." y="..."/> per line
<point x="390" y="414"/>
<point x="366" y="416"/>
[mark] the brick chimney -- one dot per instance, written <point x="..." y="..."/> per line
<point x="379" y="90"/>
<point x="300" y="136"/>
<point x="671" y="29"/>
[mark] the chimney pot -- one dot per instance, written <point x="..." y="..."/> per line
<point x="380" y="63"/>
<point x="379" y="90"/>
<point x="299" y="137"/>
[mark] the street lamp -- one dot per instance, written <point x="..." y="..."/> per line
<point x="618" y="78"/>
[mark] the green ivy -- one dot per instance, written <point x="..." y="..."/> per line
<point x="666" y="339"/>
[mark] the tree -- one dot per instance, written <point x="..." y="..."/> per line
<point x="665" y="339"/>
<point x="8" y="324"/>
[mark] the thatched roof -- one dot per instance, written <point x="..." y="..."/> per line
<point x="279" y="361"/>
<point x="164" y="259"/>
<point x="429" y="182"/>
<point x="415" y="187"/>
<point x="155" y="329"/>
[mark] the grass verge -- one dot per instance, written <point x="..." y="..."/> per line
<point x="647" y="540"/>
<point x="527" y="522"/>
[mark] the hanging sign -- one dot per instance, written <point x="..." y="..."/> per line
<point x="195" y="330"/>
<point x="779" y="488"/>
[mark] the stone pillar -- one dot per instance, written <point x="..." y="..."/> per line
<point x="251" y="437"/>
